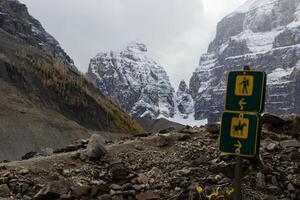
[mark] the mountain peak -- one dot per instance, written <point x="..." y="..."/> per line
<point x="136" y="46"/>
<point x="252" y="4"/>
<point x="133" y="79"/>
<point x="183" y="86"/>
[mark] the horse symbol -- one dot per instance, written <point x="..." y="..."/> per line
<point x="239" y="128"/>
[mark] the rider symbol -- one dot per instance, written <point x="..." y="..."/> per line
<point x="239" y="128"/>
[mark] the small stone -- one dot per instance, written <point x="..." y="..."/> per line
<point x="163" y="140"/>
<point x="295" y="156"/>
<point x="260" y="180"/>
<point x="127" y="186"/>
<point x="66" y="172"/>
<point x="47" y="152"/>
<point x="80" y="191"/>
<point x="119" y="173"/>
<point x="290" y="143"/>
<point x="75" y="155"/>
<point x="29" y="155"/>
<point x="115" y="187"/>
<point x="25" y="197"/>
<point x="139" y="147"/>
<point x="53" y="190"/>
<point x="147" y="195"/>
<point x="24" y="171"/>
<point x="167" y="130"/>
<point x="142" y="179"/>
<point x="4" y="190"/>
<point x="274" y="181"/>
<point x="290" y="187"/>
<point x="3" y="180"/>
<point x="105" y="197"/>
<point x="212" y="128"/>
<point x="271" y="146"/>
<point x="83" y="156"/>
<point x="138" y="187"/>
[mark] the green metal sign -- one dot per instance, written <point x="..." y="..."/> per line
<point x="246" y="91"/>
<point x="239" y="133"/>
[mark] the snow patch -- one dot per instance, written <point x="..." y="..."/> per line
<point x="188" y="121"/>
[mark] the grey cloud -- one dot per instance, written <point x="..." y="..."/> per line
<point x="175" y="31"/>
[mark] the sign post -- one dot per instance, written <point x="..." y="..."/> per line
<point x="240" y="125"/>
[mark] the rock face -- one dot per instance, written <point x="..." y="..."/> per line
<point x="15" y="19"/>
<point x="184" y="100"/>
<point x="263" y="34"/>
<point x="133" y="79"/>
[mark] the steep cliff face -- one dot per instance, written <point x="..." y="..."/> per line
<point x="133" y="79"/>
<point x="15" y="19"/>
<point x="184" y="101"/>
<point x="263" y="34"/>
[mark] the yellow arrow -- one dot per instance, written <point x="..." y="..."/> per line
<point x="242" y="103"/>
<point x="238" y="145"/>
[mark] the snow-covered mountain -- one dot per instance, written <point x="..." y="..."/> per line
<point x="264" y="34"/>
<point x="133" y="79"/>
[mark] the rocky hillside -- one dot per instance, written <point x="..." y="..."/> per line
<point x="45" y="101"/>
<point x="15" y="19"/>
<point x="263" y="34"/>
<point x="134" y="80"/>
<point x="182" y="164"/>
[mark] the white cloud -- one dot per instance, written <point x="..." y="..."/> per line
<point x="176" y="32"/>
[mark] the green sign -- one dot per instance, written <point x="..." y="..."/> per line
<point x="239" y="133"/>
<point x="246" y="91"/>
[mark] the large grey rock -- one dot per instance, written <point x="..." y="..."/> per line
<point x="95" y="148"/>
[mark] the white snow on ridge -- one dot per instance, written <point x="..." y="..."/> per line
<point x="278" y="75"/>
<point x="253" y="4"/>
<point x="188" y="121"/>
<point x="258" y="42"/>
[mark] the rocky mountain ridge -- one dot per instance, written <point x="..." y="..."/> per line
<point x="264" y="35"/>
<point x="15" y="19"/>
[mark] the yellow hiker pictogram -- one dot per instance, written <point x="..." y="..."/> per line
<point x="244" y="85"/>
<point x="239" y="128"/>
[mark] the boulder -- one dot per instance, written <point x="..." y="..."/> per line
<point x="95" y="148"/>
<point x="273" y="120"/>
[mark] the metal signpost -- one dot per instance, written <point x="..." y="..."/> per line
<point x="240" y="125"/>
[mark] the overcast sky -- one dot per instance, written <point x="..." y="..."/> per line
<point x="176" y="32"/>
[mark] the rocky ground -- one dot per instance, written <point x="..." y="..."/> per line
<point x="172" y="164"/>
